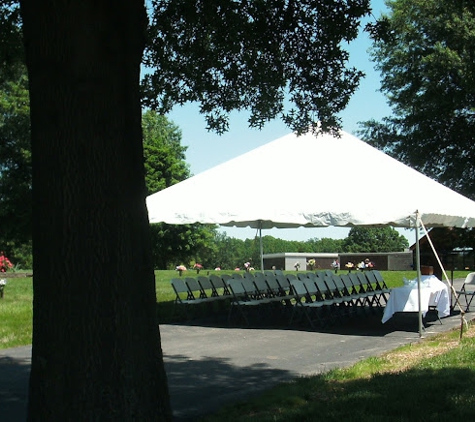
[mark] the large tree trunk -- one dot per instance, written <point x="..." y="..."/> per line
<point x="96" y="343"/>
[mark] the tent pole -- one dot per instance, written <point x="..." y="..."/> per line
<point x="260" y="245"/>
<point x="418" y="267"/>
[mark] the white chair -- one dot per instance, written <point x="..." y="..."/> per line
<point x="467" y="290"/>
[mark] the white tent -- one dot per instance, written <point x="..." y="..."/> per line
<point x="312" y="182"/>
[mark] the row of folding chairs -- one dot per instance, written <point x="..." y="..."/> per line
<point x="368" y="284"/>
<point x="239" y="291"/>
<point x="196" y="292"/>
<point x="318" y="297"/>
<point x="324" y="299"/>
<point x="267" y="296"/>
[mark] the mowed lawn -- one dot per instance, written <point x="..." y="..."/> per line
<point x="16" y="312"/>
<point x="16" y="306"/>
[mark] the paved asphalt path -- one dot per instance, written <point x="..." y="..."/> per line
<point x="210" y="365"/>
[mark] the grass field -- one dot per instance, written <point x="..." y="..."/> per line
<point x="16" y="313"/>
<point x="16" y="306"/>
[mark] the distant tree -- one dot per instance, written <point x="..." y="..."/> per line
<point x="15" y="141"/>
<point x="176" y="244"/>
<point x="228" y="252"/>
<point x="204" y="245"/>
<point x="325" y="245"/>
<point x="295" y="246"/>
<point x="425" y="52"/>
<point x="12" y="54"/>
<point x="252" y="253"/>
<point x="374" y="239"/>
<point x="15" y="167"/>
<point x="165" y="165"/>
<point x="164" y="155"/>
<point x="250" y="248"/>
<point x="273" y="245"/>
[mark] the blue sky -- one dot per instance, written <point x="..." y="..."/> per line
<point x="206" y="149"/>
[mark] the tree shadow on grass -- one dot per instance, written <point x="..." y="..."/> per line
<point x="425" y="394"/>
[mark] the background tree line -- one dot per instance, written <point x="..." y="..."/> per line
<point x="228" y="253"/>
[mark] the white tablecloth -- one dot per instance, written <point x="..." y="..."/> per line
<point x="405" y="299"/>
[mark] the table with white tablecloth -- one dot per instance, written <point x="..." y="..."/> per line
<point x="434" y="293"/>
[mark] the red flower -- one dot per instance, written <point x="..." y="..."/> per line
<point x="5" y="263"/>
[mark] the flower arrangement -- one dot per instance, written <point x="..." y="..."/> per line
<point x="368" y="263"/>
<point x="297" y="266"/>
<point x="5" y="263"/>
<point x="336" y="265"/>
<point x="349" y="266"/>
<point x="311" y="264"/>
<point x="3" y="282"/>
<point x="180" y="269"/>
<point x="247" y="266"/>
<point x="198" y="267"/>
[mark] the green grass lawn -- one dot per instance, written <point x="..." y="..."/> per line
<point x="16" y="306"/>
<point x="16" y="313"/>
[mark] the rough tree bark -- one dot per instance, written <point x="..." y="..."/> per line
<point x="96" y="343"/>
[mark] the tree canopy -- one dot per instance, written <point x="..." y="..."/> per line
<point x="374" y="239"/>
<point x="15" y="152"/>
<point x="164" y="155"/>
<point x="12" y="57"/>
<point x="15" y="165"/>
<point x="165" y="165"/>
<point x="425" y="51"/>
<point x="254" y="55"/>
